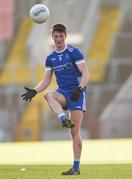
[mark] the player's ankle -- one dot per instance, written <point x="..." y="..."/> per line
<point x="62" y="117"/>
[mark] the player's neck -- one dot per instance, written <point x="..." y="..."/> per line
<point x="61" y="48"/>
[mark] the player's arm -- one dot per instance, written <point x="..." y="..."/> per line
<point x="43" y="84"/>
<point x="83" y="68"/>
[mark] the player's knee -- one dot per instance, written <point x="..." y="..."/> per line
<point x="75" y="132"/>
<point x="80" y="143"/>
<point x="48" y="95"/>
<point x="75" y="135"/>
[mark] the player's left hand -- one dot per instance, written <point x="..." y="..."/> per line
<point x="75" y="94"/>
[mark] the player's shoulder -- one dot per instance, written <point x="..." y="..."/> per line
<point x="70" y="48"/>
<point x="75" y="52"/>
<point x="51" y="54"/>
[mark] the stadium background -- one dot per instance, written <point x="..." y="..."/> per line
<point x="102" y="29"/>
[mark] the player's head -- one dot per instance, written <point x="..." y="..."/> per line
<point x="59" y="35"/>
<point x="59" y="28"/>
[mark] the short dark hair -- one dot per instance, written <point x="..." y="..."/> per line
<point x="58" y="27"/>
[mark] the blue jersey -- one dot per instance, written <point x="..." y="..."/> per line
<point x="64" y="64"/>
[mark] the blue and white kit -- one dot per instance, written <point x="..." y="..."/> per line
<point x="64" y="64"/>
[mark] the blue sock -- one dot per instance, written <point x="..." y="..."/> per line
<point x="62" y="117"/>
<point x="76" y="165"/>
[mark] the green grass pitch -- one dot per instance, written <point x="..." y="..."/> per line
<point x="101" y="159"/>
<point x="92" y="171"/>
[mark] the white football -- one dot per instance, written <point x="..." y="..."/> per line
<point x="39" y="13"/>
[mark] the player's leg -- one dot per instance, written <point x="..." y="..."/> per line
<point x="76" y="116"/>
<point x="56" y="102"/>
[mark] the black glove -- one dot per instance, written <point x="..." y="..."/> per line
<point x="29" y="94"/>
<point x="75" y="94"/>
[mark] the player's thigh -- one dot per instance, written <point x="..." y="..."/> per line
<point x="57" y="96"/>
<point x="76" y="117"/>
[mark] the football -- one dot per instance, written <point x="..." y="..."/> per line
<point x="39" y="13"/>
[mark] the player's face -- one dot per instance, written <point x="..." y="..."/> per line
<point x="59" y="40"/>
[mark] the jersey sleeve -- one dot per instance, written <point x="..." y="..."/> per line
<point x="48" y="64"/>
<point x="78" y="56"/>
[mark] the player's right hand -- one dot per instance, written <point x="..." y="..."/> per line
<point x="29" y="94"/>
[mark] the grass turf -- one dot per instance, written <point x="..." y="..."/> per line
<point x="89" y="171"/>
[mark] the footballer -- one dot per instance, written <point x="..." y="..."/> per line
<point x="72" y="75"/>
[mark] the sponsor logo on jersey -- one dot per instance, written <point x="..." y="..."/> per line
<point x="65" y="66"/>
